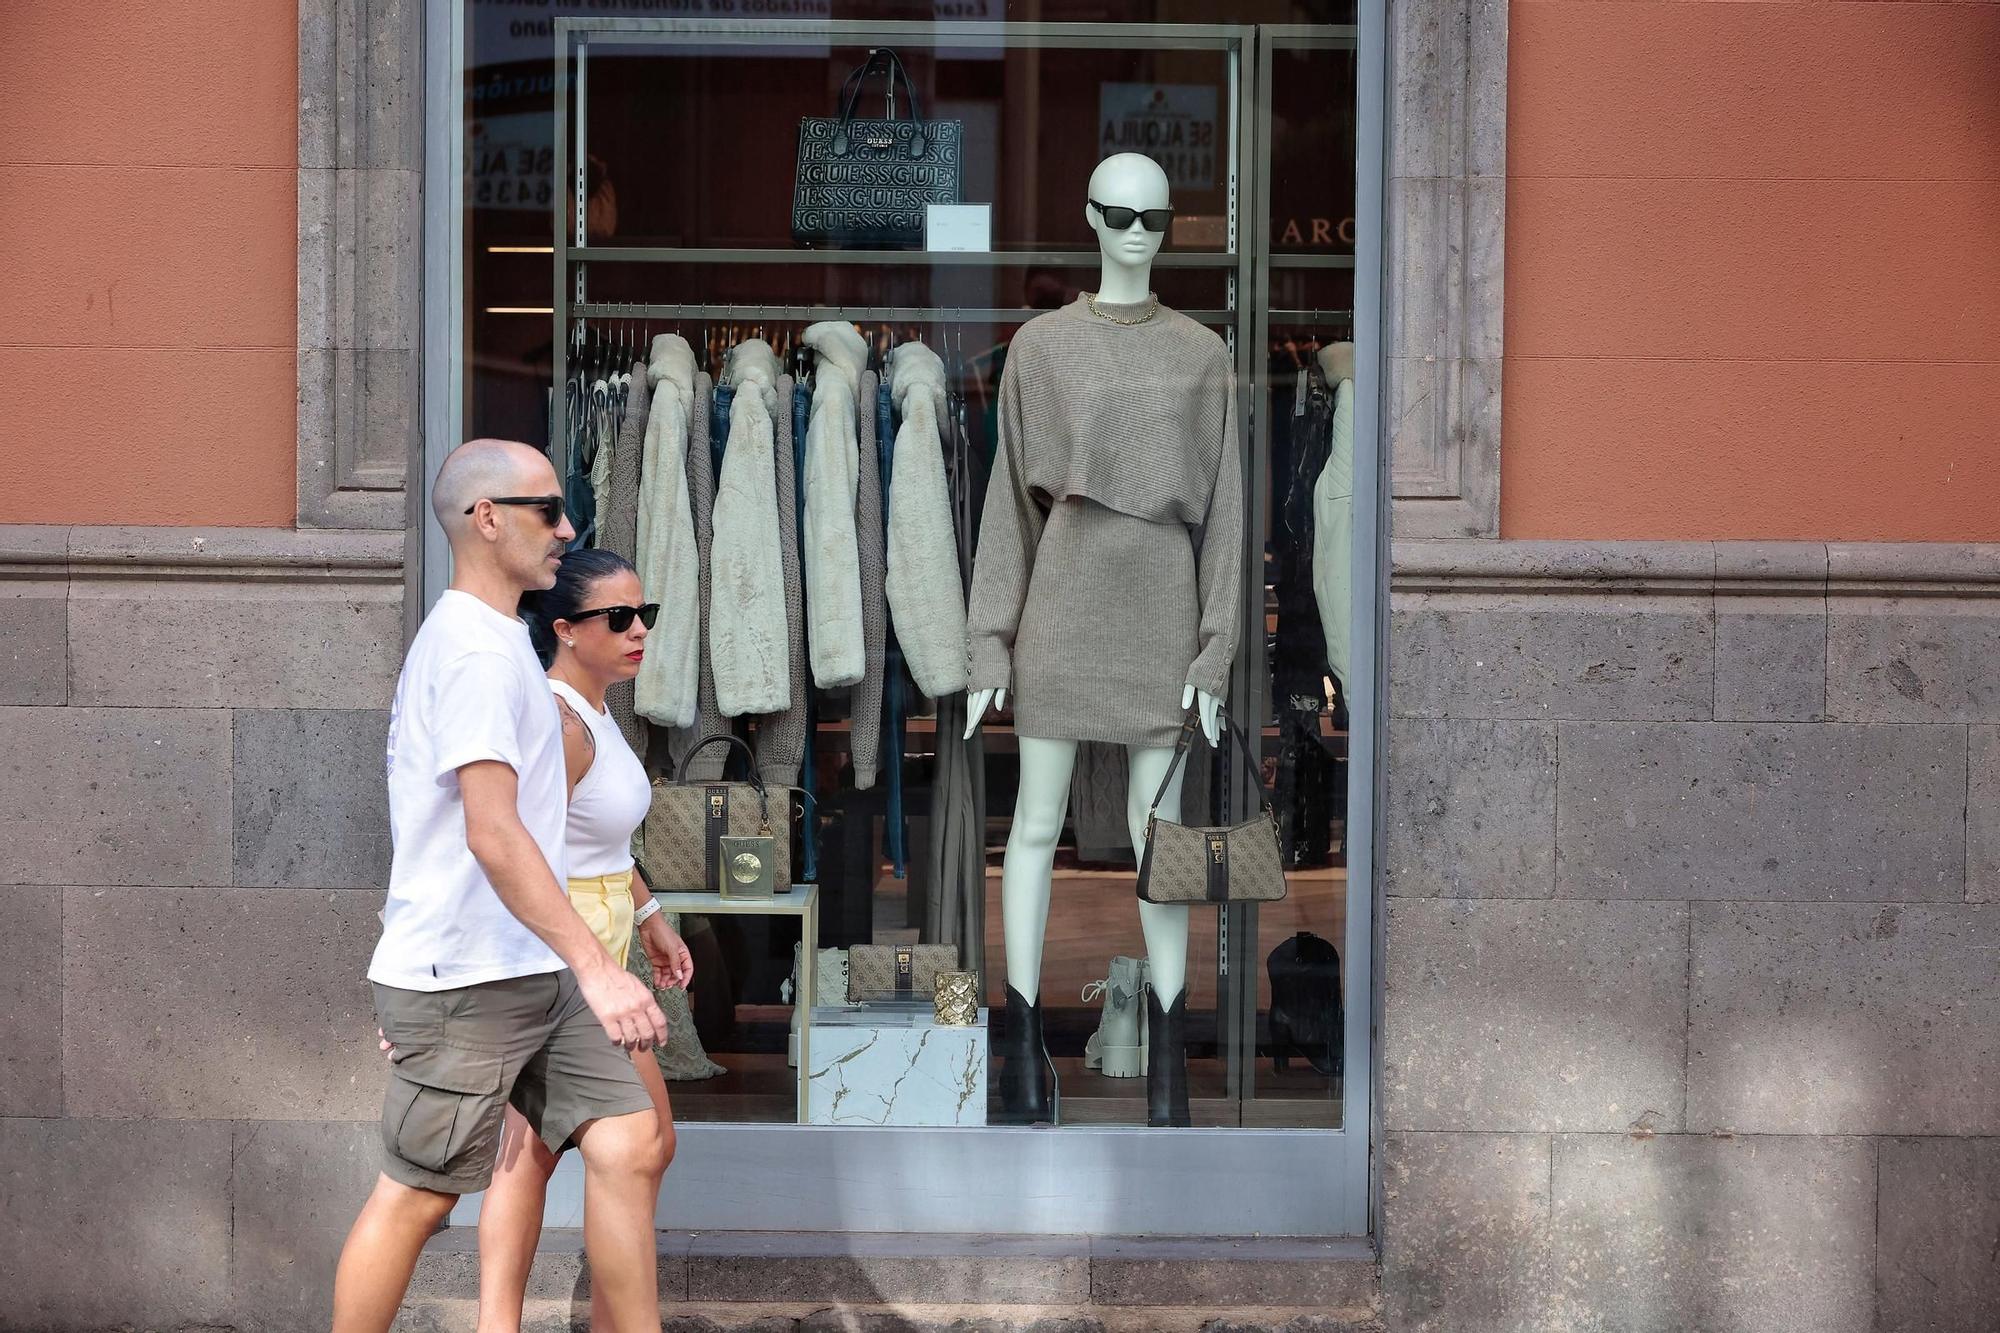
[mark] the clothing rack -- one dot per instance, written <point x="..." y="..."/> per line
<point x="812" y="314"/>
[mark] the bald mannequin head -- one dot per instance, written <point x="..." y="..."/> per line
<point x="1131" y="179"/>
<point x="510" y="543"/>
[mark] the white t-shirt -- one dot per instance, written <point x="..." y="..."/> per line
<point x="611" y="802"/>
<point x="471" y="689"/>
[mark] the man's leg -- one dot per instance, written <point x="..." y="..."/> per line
<point x="624" y="1157"/>
<point x="381" y="1254"/>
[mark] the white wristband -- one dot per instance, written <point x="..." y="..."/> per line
<point x="646" y="913"/>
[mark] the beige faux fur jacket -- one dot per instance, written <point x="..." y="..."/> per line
<point x="926" y="598"/>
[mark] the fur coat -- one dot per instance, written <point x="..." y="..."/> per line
<point x="1333" y="515"/>
<point x="669" y="562"/>
<point x="748" y="641"/>
<point x="831" y="557"/>
<point x="926" y="599"/>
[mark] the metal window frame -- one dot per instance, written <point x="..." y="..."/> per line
<point x="1108" y="1180"/>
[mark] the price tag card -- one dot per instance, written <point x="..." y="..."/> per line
<point x="958" y="227"/>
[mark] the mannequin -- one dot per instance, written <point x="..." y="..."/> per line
<point x="1126" y="180"/>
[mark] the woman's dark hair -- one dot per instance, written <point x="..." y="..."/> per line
<point x="579" y="572"/>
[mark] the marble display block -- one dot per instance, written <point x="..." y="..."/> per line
<point x="893" y="1064"/>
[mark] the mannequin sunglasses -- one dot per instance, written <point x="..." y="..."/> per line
<point x="619" y="618"/>
<point x="1118" y="217"/>
<point x="551" y="506"/>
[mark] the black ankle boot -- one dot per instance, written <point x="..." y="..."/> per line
<point x="1166" y="1061"/>
<point x="1026" y="1075"/>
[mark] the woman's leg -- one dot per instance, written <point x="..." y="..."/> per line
<point x="510" y="1224"/>
<point x="656" y="1088"/>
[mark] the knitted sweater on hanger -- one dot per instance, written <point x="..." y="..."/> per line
<point x="831" y="557"/>
<point x="747" y="635"/>
<point x="781" y="737"/>
<point x="668" y="560"/>
<point x="709" y="721"/>
<point x="870" y="541"/>
<point x="1109" y="568"/>
<point x="618" y="532"/>
<point x="925" y="594"/>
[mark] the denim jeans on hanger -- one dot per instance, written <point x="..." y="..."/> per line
<point x="894" y="833"/>
<point x="809" y="858"/>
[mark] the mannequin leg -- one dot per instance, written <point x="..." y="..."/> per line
<point x="1166" y="931"/>
<point x="1024" y="1073"/>
<point x="1039" y="811"/>
<point x="1165" y="925"/>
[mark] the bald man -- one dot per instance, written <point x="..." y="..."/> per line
<point x="489" y="988"/>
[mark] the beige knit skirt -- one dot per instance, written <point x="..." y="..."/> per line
<point x="1108" y="630"/>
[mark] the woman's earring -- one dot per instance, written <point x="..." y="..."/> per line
<point x="569" y="643"/>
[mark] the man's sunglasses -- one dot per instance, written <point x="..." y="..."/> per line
<point x="551" y="506"/>
<point x="1118" y="217"/>
<point x="619" y="618"/>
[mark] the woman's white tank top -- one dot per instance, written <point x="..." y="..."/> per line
<point x="610" y="803"/>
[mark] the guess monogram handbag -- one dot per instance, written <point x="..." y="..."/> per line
<point x="1239" y="863"/>
<point x="866" y="182"/>
<point x="695" y="832"/>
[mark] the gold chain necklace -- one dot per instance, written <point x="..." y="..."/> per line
<point x="1152" y="309"/>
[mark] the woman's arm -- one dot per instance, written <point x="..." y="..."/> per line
<point x="672" y="964"/>
<point x="579" y="746"/>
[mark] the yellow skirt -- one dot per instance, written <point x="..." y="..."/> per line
<point x="605" y="904"/>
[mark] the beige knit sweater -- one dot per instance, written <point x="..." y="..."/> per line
<point x="1109" y="568"/>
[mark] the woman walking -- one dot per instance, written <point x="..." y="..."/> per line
<point x="591" y="628"/>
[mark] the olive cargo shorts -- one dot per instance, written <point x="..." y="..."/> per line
<point x="461" y="1056"/>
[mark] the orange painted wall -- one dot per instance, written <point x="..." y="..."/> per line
<point x="148" y="219"/>
<point x="1753" y="271"/>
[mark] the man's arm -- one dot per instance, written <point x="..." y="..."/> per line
<point x="520" y="874"/>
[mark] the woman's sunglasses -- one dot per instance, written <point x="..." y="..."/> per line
<point x="551" y="506"/>
<point x="619" y="618"/>
<point x="1118" y="217"/>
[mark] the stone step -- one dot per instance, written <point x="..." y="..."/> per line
<point x="460" y="1315"/>
<point x="813" y="1282"/>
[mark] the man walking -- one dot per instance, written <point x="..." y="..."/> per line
<point x="488" y="985"/>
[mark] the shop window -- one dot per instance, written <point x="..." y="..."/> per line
<point x="682" y="220"/>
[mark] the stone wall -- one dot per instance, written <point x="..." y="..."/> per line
<point x="192" y="725"/>
<point x="1691" y="1008"/>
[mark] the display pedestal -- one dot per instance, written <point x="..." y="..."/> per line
<point x="801" y="901"/>
<point x="894" y="1064"/>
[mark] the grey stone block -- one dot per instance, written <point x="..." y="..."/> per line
<point x="1465" y="1232"/>
<point x="34" y="641"/>
<point x="1687" y="1232"/>
<point x="1845" y="1018"/>
<point x="1937" y="1240"/>
<point x="1929" y="660"/>
<point x="229" y="1003"/>
<point x="31" y="998"/>
<point x="1770" y="662"/>
<point x="298" y="1187"/>
<point x="1982" y="816"/>
<point x="1472" y="809"/>
<point x="311" y="802"/>
<point x="1589" y="656"/>
<point x="376" y="256"/>
<point x="1231" y="1274"/>
<point x="1729" y="810"/>
<point x="355" y="415"/>
<point x="864" y="1268"/>
<point x="113" y="1224"/>
<point x="319" y="319"/>
<point x="1534" y="1015"/>
<point x="114" y="795"/>
<point x="234" y="644"/>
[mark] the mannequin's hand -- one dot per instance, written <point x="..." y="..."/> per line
<point x="1210" y="708"/>
<point x="976" y="704"/>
